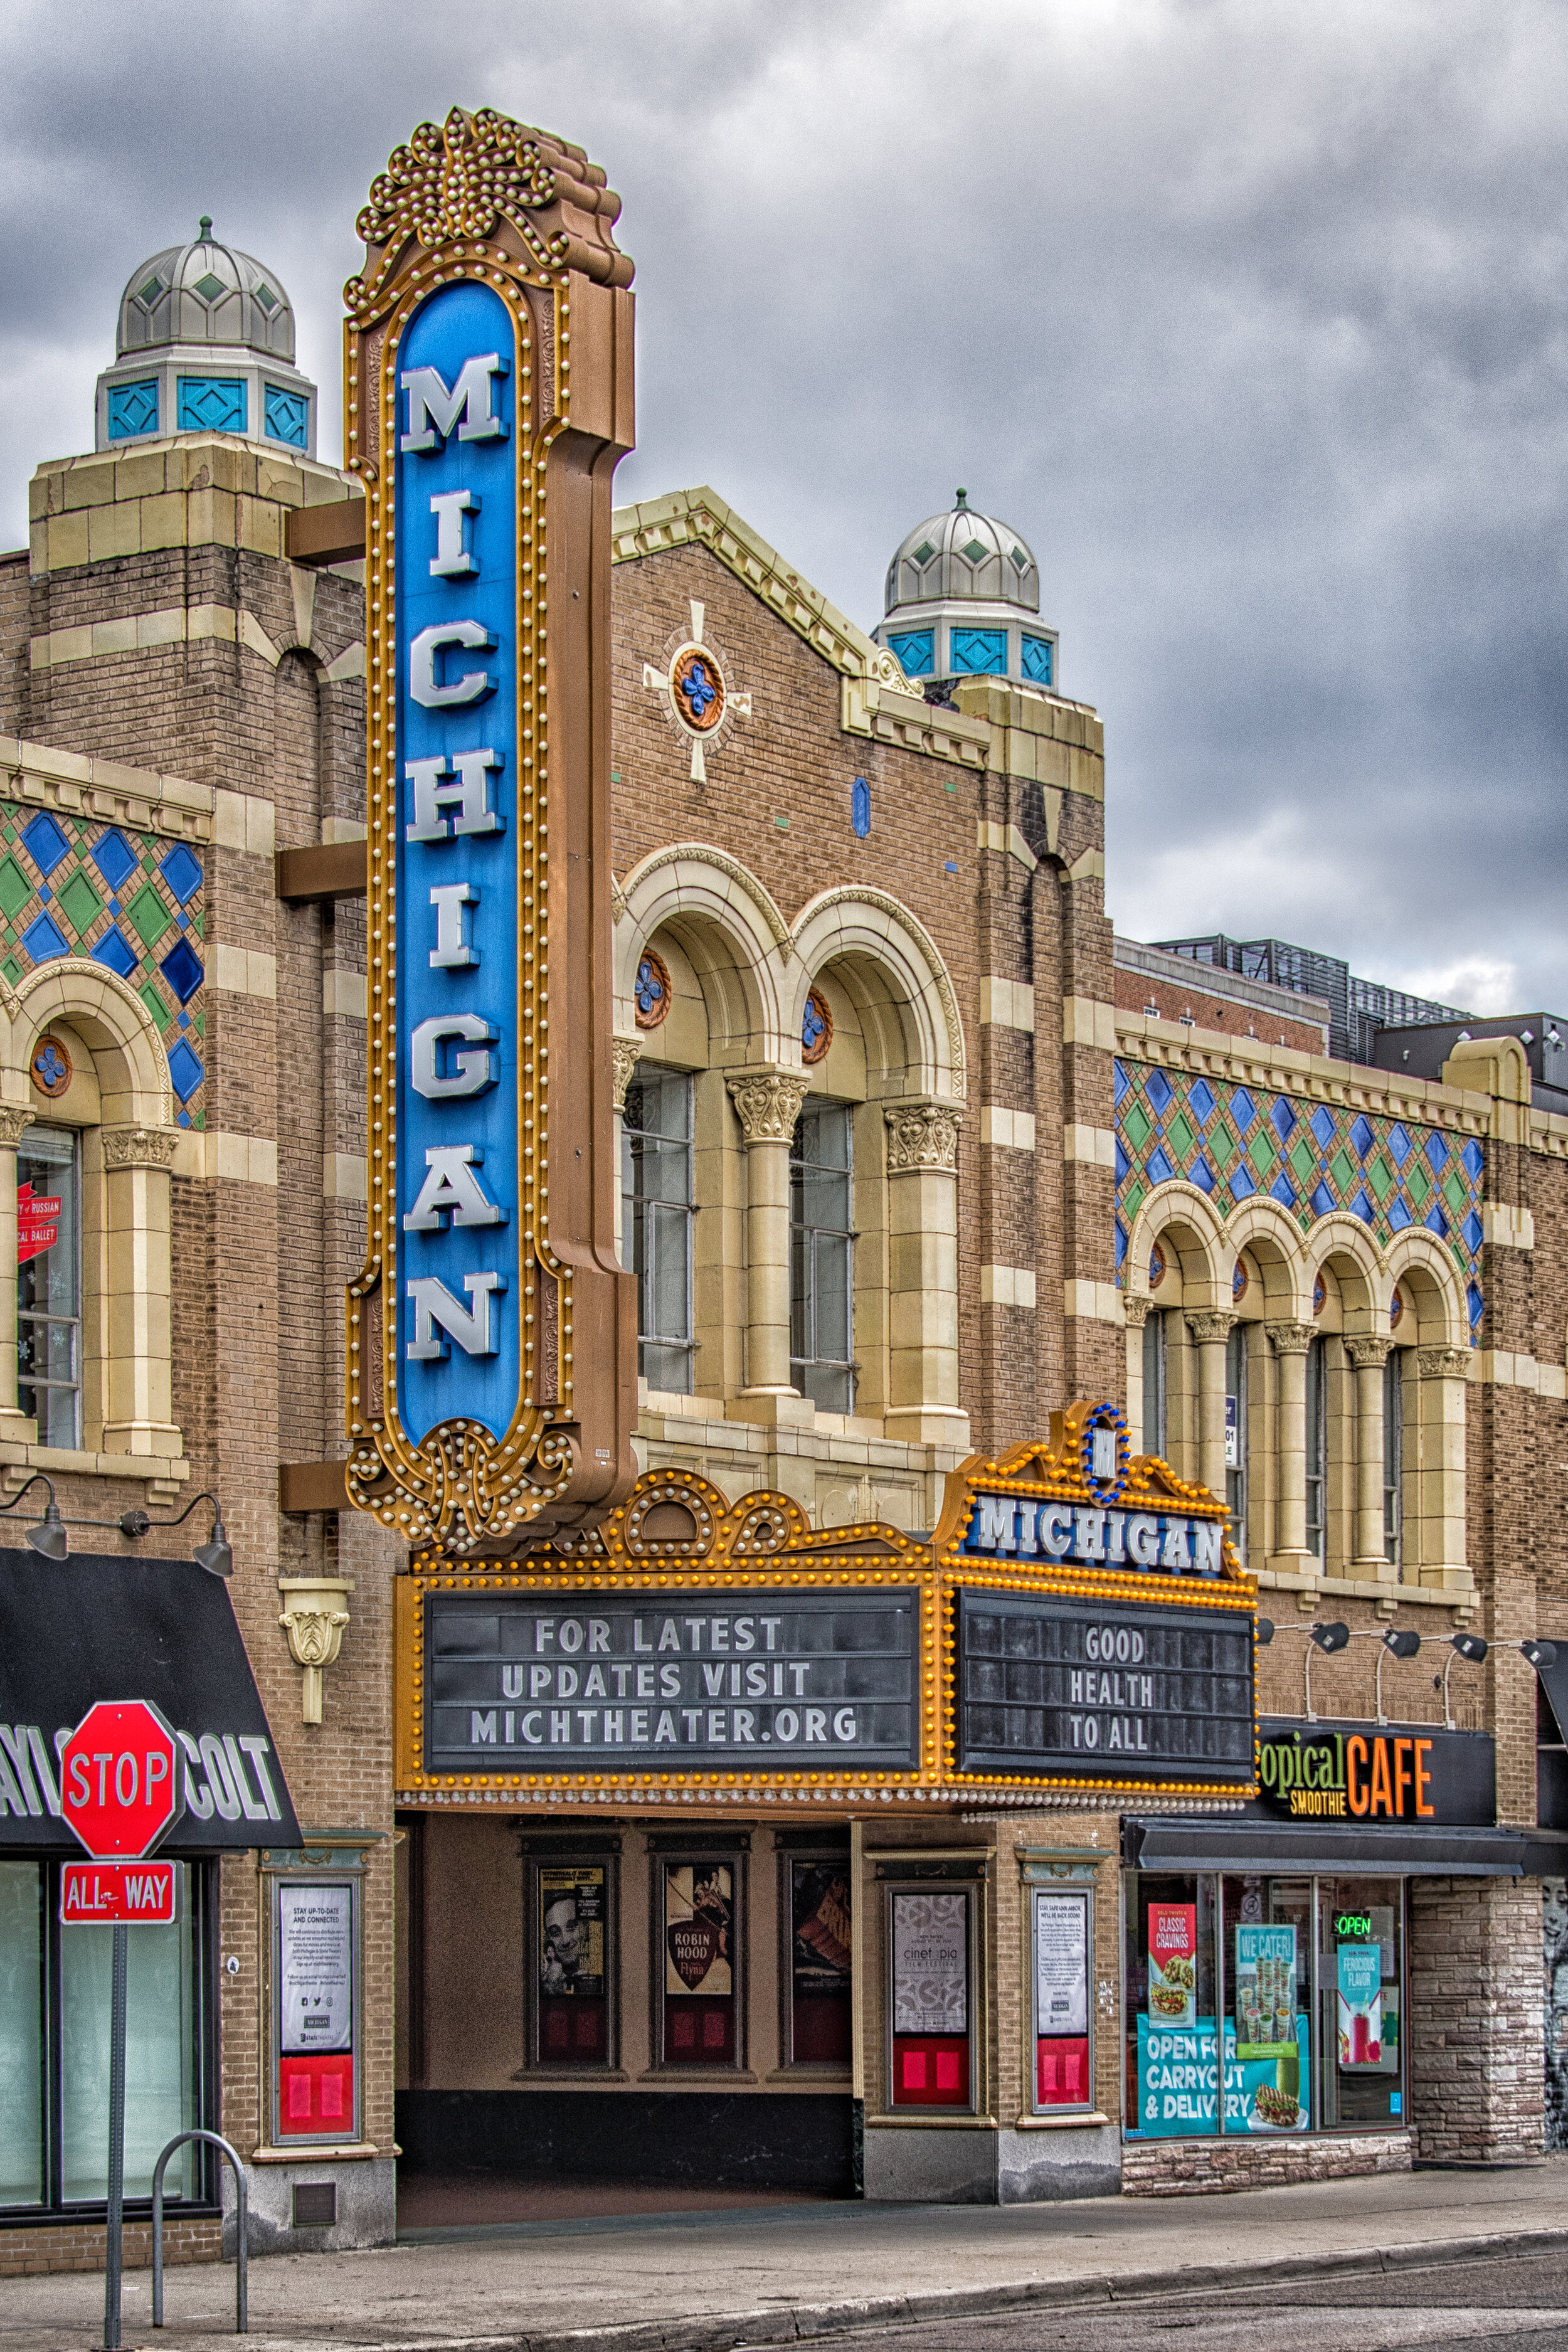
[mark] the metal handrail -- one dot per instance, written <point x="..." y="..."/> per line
<point x="215" y="2139"/>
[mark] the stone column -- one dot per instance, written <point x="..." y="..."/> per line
<point x="922" y="1276"/>
<point x="138" y="1329"/>
<point x="1290" y="1556"/>
<point x="1440" y="1477"/>
<point x="1135" y="1311"/>
<point x="627" y="1053"/>
<point x="1476" y="2032"/>
<point x="1211" y="1328"/>
<point x="767" y="1103"/>
<point x="19" y="1428"/>
<point x="1369" y="1355"/>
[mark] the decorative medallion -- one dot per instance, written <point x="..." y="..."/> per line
<point x="1239" y="1282"/>
<point x="51" y="1067"/>
<point x="1156" y="1267"/>
<point x="697" y="700"/>
<point x="1396" y="1309"/>
<point x="1319" y="1295"/>
<point x="653" y="991"/>
<point x="816" y="1029"/>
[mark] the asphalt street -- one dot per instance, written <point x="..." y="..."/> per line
<point x="1460" y="2305"/>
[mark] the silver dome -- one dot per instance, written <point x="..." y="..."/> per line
<point x="206" y="292"/>
<point x="963" y="555"/>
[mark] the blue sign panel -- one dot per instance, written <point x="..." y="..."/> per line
<point x="458" y="1280"/>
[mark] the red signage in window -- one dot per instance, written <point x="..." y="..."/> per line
<point x="38" y="1222"/>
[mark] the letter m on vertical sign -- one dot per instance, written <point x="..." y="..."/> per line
<point x="491" y="1332"/>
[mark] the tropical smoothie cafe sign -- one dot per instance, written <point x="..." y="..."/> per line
<point x="689" y="1641"/>
<point x="492" y="1335"/>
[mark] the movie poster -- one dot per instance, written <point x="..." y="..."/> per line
<point x="699" y="1926"/>
<point x="571" y="1931"/>
<point x="820" y="1915"/>
<point x="931" y="1964"/>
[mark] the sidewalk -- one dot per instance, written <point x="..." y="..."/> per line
<point x="663" y="2282"/>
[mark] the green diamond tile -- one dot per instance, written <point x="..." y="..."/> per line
<point x="1461" y="1256"/>
<point x="148" y="917"/>
<point x="1133" y="1198"/>
<point x="80" y="903"/>
<point x="1182" y="1134"/>
<point x="1382" y="1179"/>
<point x="1304" y="1158"/>
<point x="1456" y="1192"/>
<point x="1343" y="1168"/>
<point x="1137" y="1125"/>
<point x="199" y="1024"/>
<point x="1418" y="1184"/>
<point x="200" y="1119"/>
<point x="15" y="888"/>
<point x="196" y="925"/>
<point x="151" y="997"/>
<point x="1262" y="1151"/>
<point x="1221" y="1145"/>
<point x="12" y="970"/>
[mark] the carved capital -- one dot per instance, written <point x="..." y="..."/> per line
<point x="314" y="1619"/>
<point x="1368" y="1351"/>
<point x="1291" y="1339"/>
<point x="1210" y="1325"/>
<point x="139" y="1147"/>
<point x="12" y="1122"/>
<point x="1443" y="1363"/>
<point x="767" y="1103"/>
<point x="1135" y="1310"/>
<point x="628" y="1053"/>
<point x="921" y="1135"/>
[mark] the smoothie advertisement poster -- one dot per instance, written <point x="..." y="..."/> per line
<point x="1361" y="2004"/>
<point x="1264" y="1992"/>
<point x="1173" y="1963"/>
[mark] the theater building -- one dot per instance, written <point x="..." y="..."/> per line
<point x="861" y="1788"/>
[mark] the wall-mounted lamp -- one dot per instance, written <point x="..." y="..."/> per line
<point x="50" y="1539"/>
<point x="1328" y="1637"/>
<point x="1540" y="1654"/>
<point x="1473" y="1650"/>
<point x="1400" y="1642"/>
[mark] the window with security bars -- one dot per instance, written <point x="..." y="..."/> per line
<point x="1392" y="1458"/>
<point x="657" y="1213"/>
<point x="1317" y="1447"/>
<point x="821" y="1253"/>
<point x="1235" y="1434"/>
<point x="1154" y="1438"/>
<point x="48" y="1283"/>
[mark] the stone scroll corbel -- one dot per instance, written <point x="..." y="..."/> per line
<point x="314" y="1618"/>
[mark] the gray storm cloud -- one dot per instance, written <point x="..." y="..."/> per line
<point x="1252" y="320"/>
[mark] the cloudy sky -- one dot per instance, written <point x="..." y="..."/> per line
<point x="1252" y="315"/>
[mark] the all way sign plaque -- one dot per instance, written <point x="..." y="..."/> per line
<point x="119" y="1895"/>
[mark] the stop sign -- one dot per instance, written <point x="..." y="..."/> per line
<point x="121" y="1785"/>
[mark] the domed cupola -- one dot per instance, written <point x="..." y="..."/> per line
<point x="963" y="593"/>
<point x="205" y="344"/>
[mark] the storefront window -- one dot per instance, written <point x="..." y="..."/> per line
<point x="1306" y="1978"/>
<point x="160" y="2058"/>
<point x="574" y="1948"/>
<point x="928" y="1940"/>
<point x="21" y="2033"/>
<point x="820" y="1976"/>
<point x="702" y="1962"/>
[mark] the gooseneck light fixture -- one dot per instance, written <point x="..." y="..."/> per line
<point x="1473" y="1650"/>
<point x="49" y="1536"/>
<point x="1328" y="1637"/>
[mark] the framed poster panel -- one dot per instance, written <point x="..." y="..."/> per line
<point x="316" y="2008"/>
<point x="1062" y="1962"/>
<point x="699" y="1961"/>
<point x="817" y="1976"/>
<point x="571" y="1930"/>
<point x="931" y="1996"/>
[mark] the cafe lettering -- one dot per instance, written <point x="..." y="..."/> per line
<point x="1383" y="1773"/>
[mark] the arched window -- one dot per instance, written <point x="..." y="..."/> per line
<point x="656" y="1216"/>
<point x="1317" y="1442"/>
<point x="821" y="1257"/>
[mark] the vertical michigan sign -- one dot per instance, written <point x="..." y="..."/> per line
<point x="491" y="1338"/>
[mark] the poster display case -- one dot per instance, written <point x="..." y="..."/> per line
<point x="815" y="1907"/>
<point x="1061" y="1945"/>
<point x="931" y="1949"/>
<point x="317" y="2004"/>
<point x="571" y="1932"/>
<point x="699" y="1961"/>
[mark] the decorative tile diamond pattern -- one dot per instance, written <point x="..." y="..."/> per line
<point x="1388" y="1174"/>
<point x="54" y="872"/>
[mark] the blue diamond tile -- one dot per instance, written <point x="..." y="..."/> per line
<point x="1398" y="1215"/>
<point x="184" y="1116"/>
<point x="114" y="905"/>
<point x="114" y="858"/>
<point x="1201" y="1174"/>
<point x="1435" y="1221"/>
<point x="42" y="938"/>
<point x="183" y="919"/>
<point x="1282" y="1118"/>
<point x="1323" y="1124"/>
<point x="1283" y="1189"/>
<point x="1474" y="1159"/>
<point x="185" y="1021"/>
<point x="1243" y="1110"/>
<point x="1472" y="1229"/>
<point x="1361" y="1207"/>
<point x="1241" y="1183"/>
<point x="1399" y="1144"/>
<point x="185" y="1071"/>
<point x="1200" y="1101"/>
<point x="1323" y="1202"/>
<point x="1121" y="1242"/>
<point x="1158" y="1088"/>
<point x="116" y="950"/>
<point x="1120" y="1079"/>
<point x="1160" y="1170"/>
<point x="45" y="893"/>
<point x="44" y="844"/>
<point x="182" y="968"/>
<point x="1437" y="1149"/>
<point x="1122" y="1161"/>
<point x="1477" y="1304"/>
<point x="1362" y="1136"/>
<point x="181" y="872"/>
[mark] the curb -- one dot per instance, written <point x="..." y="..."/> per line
<point x="803" y="2323"/>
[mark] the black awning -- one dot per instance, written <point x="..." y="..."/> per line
<point x="1184" y="1842"/>
<point x="88" y="1628"/>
